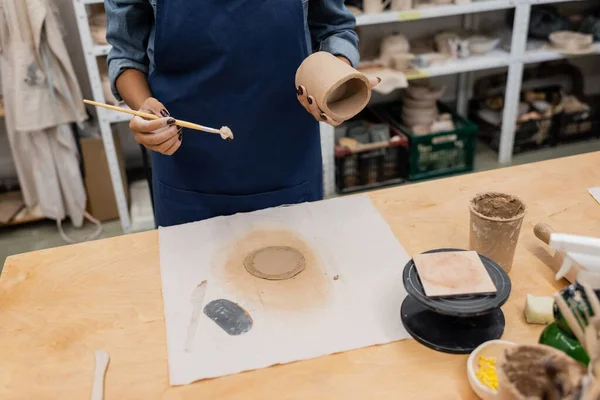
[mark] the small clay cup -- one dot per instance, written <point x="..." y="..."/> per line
<point x="341" y="91"/>
<point x="496" y="220"/>
<point x="522" y="372"/>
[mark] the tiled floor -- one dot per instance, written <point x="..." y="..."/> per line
<point x="43" y="235"/>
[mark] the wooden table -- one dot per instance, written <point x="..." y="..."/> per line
<point x="58" y="306"/>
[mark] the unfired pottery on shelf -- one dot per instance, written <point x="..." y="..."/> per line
<point x="443" y="42"/>
<point x="571" y="41"/>
<point x="482" y="44"/>
<point x="409" y="102"/>
<point x="340" y="91"/>
<point x="392" y="45"/>
<point x="401" y="5"/>
<point x="425" y="92"/>
<point x="374" y="6"/>
<point x="401" y="62"/>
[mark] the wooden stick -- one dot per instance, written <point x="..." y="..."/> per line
<point x="102" y="359"/>
<point x="224" y="131"/>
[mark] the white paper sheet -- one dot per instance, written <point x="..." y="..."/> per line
<point x="595" y="192"/>
<point x="313" y="315"/>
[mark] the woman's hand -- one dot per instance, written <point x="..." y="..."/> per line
<point x="160" y="135"/>
<point x="310" y="104"/>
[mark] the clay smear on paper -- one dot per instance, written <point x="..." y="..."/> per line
<point x="303" y="285"/>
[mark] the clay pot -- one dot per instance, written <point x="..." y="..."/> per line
<point x="401" y="62"/>
<point x="409" y="102"/>
<point x="522" y="373"/>
<point x="443" y="42"/>
<point x="392" y="45"/>
<point x="496" y="220"/>
<point x="425" y="92"/>
<point x="374" y="6"/>
<point x="341" y="91"/>
<point x="401" y="5"/>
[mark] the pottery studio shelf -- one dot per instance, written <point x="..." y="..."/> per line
<point x="536" y="56"/>
<point x="493" y="59"/>
<point x="434" y="12"/>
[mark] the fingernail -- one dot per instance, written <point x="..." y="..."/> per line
<point x="310" y="100"/>
<point x="300" y="91"/>
<point x="323" y="117"/>
<point x="378" y="80"/>
<point x="171" y="121"/>
<point x="164" y="113"/>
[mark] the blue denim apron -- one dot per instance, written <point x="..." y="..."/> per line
<point x="233" y="62"/>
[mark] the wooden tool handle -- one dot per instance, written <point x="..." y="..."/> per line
<point x="102" y="359"/>
<point x="183" y="124"/>
<point x="543" y="231"/>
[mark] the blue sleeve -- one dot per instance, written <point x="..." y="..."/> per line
<point x="129" y="24"/>
<point x="331" y="27"/>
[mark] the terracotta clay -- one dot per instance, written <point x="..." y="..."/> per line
<point x="524" y="372"/>
<point x="341" y="91"/>
<point x="275" y="263"/>
<point x="496" y="220"/>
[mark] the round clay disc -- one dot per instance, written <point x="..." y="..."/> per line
<point x="460" y="306"/>
<point x="275" y="263"/>
<point x="450" y="334"/>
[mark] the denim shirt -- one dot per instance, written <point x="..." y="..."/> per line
<point x="329" y="26"/>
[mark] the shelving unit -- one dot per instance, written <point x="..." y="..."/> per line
<point x="106" y="118"/>
<point x="514" y="60"/>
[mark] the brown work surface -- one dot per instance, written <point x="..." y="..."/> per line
<point x="453" y="273"/>
<point x="58" y="306"/>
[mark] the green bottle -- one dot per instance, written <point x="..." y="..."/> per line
<point x="553" y="336"/>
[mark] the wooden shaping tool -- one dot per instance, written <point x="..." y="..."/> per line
<point x="102" y="359"/>
<point x="543" y="231"/>
<point x="225" y="132"/>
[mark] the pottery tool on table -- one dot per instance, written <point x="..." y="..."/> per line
<point x="456" y="324"/>
<point x="197" y="298"/>
<point x="224" y="131"/>
<point x="102" y="359"/>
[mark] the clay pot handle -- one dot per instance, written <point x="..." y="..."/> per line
<point x="543" y="231"/>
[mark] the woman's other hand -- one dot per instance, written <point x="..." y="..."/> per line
<point x="160" y="135"/>
<point x="310" y="104"/>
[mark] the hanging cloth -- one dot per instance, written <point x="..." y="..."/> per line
<point x="42" y="99"/>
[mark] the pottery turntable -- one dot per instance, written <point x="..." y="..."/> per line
<point x="455" y="324"/>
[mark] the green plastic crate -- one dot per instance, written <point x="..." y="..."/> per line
<point x="438" y="154"/>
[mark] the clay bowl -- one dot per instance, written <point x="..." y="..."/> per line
<point x="393" y="45"/>
<point x="493" y="349"/>
<point x="418" y="119"/>
<point x="569" y="40"/>
<point x="522" y="375"/>
<point x="482" y="44"/>
<point x="425" y="93"/>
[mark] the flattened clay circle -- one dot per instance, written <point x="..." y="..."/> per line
<point x="275" y="263"/>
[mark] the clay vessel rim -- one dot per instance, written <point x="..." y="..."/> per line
<point x="497" y="219"/>
<point x="359" y="76"/>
